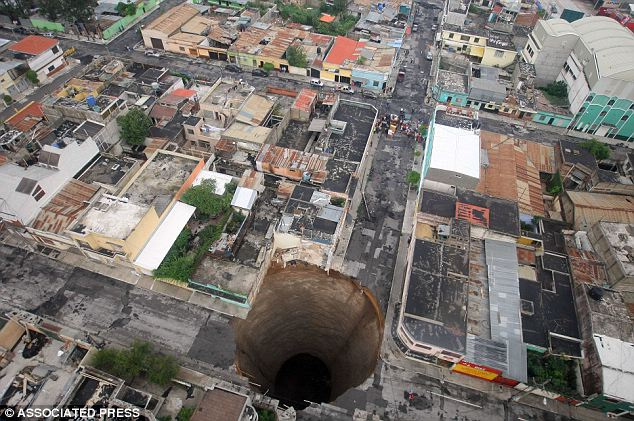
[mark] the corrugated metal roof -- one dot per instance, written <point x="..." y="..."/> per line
<point x="504" y="298"/>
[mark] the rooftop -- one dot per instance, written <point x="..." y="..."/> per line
<point x="291" y="163"/>
<point x="344" y="50"/>
<point x="65" y="207"/>
<point x="572" y="153"/>
<point x="159" y="179"/>
<point x="27" y="118"/>
<point x="33" y="45"/>
<point x="107" y="171"/>
<point x="436" y="297"/>
<point x="173" y="19"/>
<point x="220" y="405"/>
<point x="503" y="215"/>
<point x="549" y="317"/>
<point x="305" y="100"/>
<point x="621" y="239"/>
<point x="451" y="119"/>
<point x="350" y="145"/>
<point x="511" y="173"/>
<point x="255" y="110"/>
<point x="454" y="82"/>
<point x="112" y="217"/>
<point x="310" y="215"/>
<point x="449" y="139"/>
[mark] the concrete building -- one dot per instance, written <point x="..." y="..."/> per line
<point x="43" y="55"/>
<point x="614" y="242"/>
<point x="594" y="57"/>
<point x="27" y="189"/>
<point x="117" y="228"/>
<point x="452" y="153"/>
<point x="12" y="79"/>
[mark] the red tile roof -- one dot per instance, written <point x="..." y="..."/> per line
<point x="305" y="100"/>
<point x="187" y="93"/>
<point x="25" y="119"/>
<point x="327" y="18"/>
<point x="344" y="49"/>
<point x="33" y="44"/>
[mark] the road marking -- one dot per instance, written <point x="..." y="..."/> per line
<point x="454" y="399"/>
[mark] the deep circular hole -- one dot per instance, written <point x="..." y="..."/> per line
<point x="302" y="378"/>
<point x="310" y="336"/>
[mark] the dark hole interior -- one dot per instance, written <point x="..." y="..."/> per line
<point x="302" y="378"/>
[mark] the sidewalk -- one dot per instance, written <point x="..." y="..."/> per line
<point x="130" y="276"/>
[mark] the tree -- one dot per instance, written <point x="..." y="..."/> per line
<point x="126" y="9"/>
<point x="31" y="76"/>
<point x="339" y="6"/>
<point x="599" y="150"/>
<point x="204" y="198"/>
<point x="51" y="9"/>
<point x="296" y="56"/>
<point x="413" y="178"/>
<point x="140" y="359"/>
<point x="557" y="89"/>
<point x="16" y="9"/>
<point x="7" y="99"/>
<point x="134" y="126"/>
<point x="555" y="185"/>
<point x="79" y="11"/>
<point x="185" y="413"/>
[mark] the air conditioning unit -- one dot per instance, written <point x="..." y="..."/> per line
<point x="115" y="167"/>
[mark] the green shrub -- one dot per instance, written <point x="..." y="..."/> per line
<point x="413" y="178"/>
<point x="185" y="414"/>
<point x="599" y="150"/>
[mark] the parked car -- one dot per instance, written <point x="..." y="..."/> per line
<point x="233" y="68"/>
<point x="345" y="89"/>
<point x="369" y="94"/>
<point x="429" y="56"/>
<point x="401" y="75"/>
<point x="152" y="53"/>
<point x="316" y="82"/>
<point x="259" y="73"/>
<point x="434" y="27"/>
<point x="415" y="28"/>
<point x="48" y="34"/>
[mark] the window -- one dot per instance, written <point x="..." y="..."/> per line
<point x="530" y="50"/>
<point x="190" y="131"/>
<point x="451" y="36"/>
<point x="499" y="53"/>
<point x="38" y="193"/>
<point x="610" y="102"/>
<point x="624" y="118"/>
<point x="465" y="37"/>
<point x="590" y="98"/>
<point x="476" y="40"/>
<point x="51" y="68"/>
<point x="632" y="107"/>
<point x="527" y="307"/>
<point x="375" y="83"/>
<point x="542" y="117"/>
<point x="602" y="114"/>
<point x="182" y="48"/>
<point x="582" y="109"/>
<point x="55" y="50"/>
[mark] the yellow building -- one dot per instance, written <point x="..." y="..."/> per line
<point x="490" y="47"/>
<point x="12" y="80"/>
<point x="471" y="44"/>
<point x="116" y="228"/>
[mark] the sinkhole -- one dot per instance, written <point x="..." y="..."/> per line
<point x="310" y="336"/>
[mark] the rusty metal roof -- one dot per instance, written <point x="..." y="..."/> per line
<point x="64" y="207"/>
<point x="513" y="170"/>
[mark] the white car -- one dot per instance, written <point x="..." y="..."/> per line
<point x="430" y="55"/>
<point x="316" y="82"/>
<point x="346" y="90"/>
<point x="152" y="53"/>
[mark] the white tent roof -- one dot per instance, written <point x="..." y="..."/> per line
<point x="244" y="198"/>
<point x="617" y="359"/>
<point x="457" y="150"/>
<point x="161" y="241"/>
<point x="221" y="180"/>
